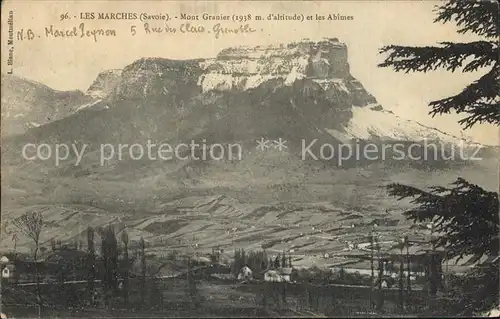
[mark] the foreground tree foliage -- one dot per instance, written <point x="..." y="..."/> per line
<point x="479" y="100"/>
<point x="30" y="224"/>
<point x="465" y="215"/>
<point x="475" y="294"/>
<point x="467" y="219"/>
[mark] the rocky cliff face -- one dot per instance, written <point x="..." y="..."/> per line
<point x="248" y="67"/>
<point x="237" y="69"/>
<point x="105" y="83"/>
<point x="310" y="76"/>
<point x="149" y="77"/>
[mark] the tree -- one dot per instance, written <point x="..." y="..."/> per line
<point x="479" y="100"/>
<point x="15" y="239"/>
<point x="109" y="248"/>
<point x="91" y="267"/>
<point x="257" y="261"/>
<point x="467" y="218"/>
<point x="214" y="256"/>
<point x="475" y="293"/>
<point x="236" y="264"/>
<point x="30" y="224"/>
<point x="372" y="267"/>
<point x="401" y="276"/>
<point x="192" y="286"/>
<point x="241" y="258"/>
<point x="142" y="245"/>
<point x="62" y="277"/>
<point x="244" y="259"/>
<point x="380" y="301"/>
<point x="126" y="265"/>
<point x="277" y="262"/>
<point x="465" y="215"/>
<point x="406" y="243"/>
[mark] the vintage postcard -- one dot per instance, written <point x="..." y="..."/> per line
<point x="249" y="159"/>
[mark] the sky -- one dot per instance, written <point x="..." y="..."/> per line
<point x="73" y="63"/>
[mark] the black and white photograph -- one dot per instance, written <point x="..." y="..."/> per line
<point x="237" y="159"/>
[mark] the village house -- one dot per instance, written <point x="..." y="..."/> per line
<point x="245" y="273"/>
<point x="8" y="271"/>
<point x="286" y="273"/>
<point x="273" y="276"/>
<point x="279" y="275"/>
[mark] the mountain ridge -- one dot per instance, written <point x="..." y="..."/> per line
<point x="27" y="104"/>
<point x="323" y="63"/>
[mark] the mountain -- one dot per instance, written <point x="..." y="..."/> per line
<point x="301" y="93"/>
<point x="27" y="104"/>
<point x="321" y="69"/>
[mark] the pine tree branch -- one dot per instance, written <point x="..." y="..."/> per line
<point x="428" y="203"/>
<point x="479" y="17"/>
<point x="480" y="99"/>
<point x="449" y="56"/>
<point x="482" y="113"/>
<point x="465" y="215"/>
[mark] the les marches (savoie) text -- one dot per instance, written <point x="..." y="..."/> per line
<point x="209" y="16"/>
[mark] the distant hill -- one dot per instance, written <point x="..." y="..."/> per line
<point x="27" y="104"/>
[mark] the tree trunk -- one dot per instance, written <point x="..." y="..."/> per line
<point x="408" y="278"/>
<point x="432" y="276"/>
<point x="91" y="276"/>
<point x="372" y="270"/>
<point x="37" y="281"/>
<point x="126" y="275"/>
<point x="401" y="281"/>
<point x="143" y="275"/>
<point x="380" y="291"/>
<point x="284" y="295"/>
